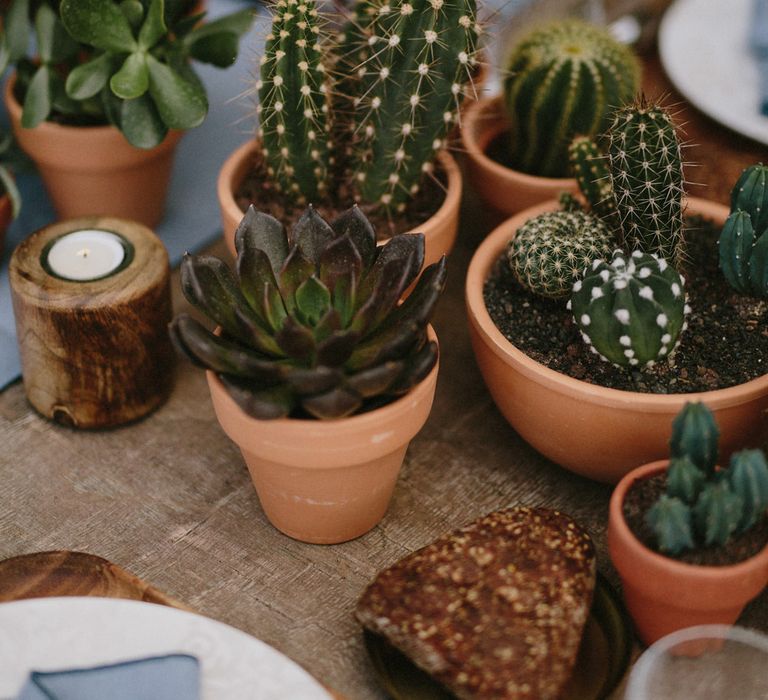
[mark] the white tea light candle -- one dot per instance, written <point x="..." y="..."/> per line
<point x="85" y="255"/>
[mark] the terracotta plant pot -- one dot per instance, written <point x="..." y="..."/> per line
<point x="326" y="482"/>
<point x="439" y="230"/>
<point x="597" y="432"/>
<point x="664" y="595"/>
<point x="6" y="215"/>
<point x="506" y="190"/>
<point x="94" y="171"/>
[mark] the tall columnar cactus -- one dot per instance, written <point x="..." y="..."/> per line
<point x="293" y="102"/>
<point x="743" y="243"/>
<point x="704" y="506"/>
<point x="414" y="59"/>
<point x="589" y="165"/>
<point x="631" y="310"/>
<point x="550" y="251"/>
<point x="646" y="169"/>
<point x="563" y="79"/>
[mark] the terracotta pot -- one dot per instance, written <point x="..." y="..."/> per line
<point x="439" y="230"/>
<point x="326" y="482"/>
<point x="597" y="432"/>
<point x="94" y="171"/>
<point x="664" y="595"/>
<point x="6" y="216"/>
<point x="508" y="191"/>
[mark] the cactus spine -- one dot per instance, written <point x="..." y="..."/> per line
<point x="704" y="506"/>
<point x="646" y="169"/>
<point x="416" y="57"/>
<point x="589" y="166"/>
<point x="550" y="251"/>
<point x="293" y="102"/>
<point x="743" y="243"/>
<point x="563" y="80"/>
<point x="630" y="311"/>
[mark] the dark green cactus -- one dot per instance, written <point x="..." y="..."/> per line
<point x="748" y="477"/>
<point x="704" y="506"/>
<point x="645" y="164"/>
<point x="312" y="324"/>
<point x="695" y="435"/>
<point x="631" y="310"/>
<point x="563" y="80"/>
<point x="589" y="165"/>
<point x="743" y="243"/>
<point x="293" y="102"/>
<point x="550" y="251"/>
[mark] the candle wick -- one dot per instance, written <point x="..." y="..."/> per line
<point x="84" y="252"/>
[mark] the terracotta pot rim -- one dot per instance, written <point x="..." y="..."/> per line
<point x="637" y="549"/>
<point x="52" y="130"/>
<point x="354" y="422"/>
<point x="488" y="110"/>
<point x="480" y="265"/>
<point x="230" y="177"/>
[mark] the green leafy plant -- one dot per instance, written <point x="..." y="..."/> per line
<point x="704" y="506"/>
<point x="123" y="63"/>
<point x="311" y="324"/>
<point x="9" y="157"/>
<point x="743" y="241"/>
<point x="381" y="95"/>
<point x="564" y="79"/>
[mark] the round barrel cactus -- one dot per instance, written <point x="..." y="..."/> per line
<point x="549" y="252"/>
<point x="563" y="79"/>
<point x="631" y="310"/>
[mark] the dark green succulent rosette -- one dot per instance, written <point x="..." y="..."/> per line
<point x="311" y="323"/>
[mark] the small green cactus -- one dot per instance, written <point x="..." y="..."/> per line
<point x="645" y="164"/>
<point x="704" y="506"/>
<point x="589" y="166"/>
<point x="550" y="251"/>
<point x="631" y="310"/>
<point x="695" y="435"/>
<point x="743" y="243"/>
<point x="563" y="80"/>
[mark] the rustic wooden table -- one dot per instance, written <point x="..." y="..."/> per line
<point x="170" y="499"/>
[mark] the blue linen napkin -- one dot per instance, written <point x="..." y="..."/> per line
<point x="758" y="42"/>
<point x="169" y="677"/>
<point x="192" y="212"/>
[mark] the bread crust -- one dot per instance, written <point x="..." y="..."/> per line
<point x="495" y="609"/>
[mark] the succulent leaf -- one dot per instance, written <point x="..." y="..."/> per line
<point x="670" y="519"/>
<point x="313" y="301"/>
<point x="315" y="380"/>
<point x="354" y="223"/>
<point x="377" y="379"/>
<point x="420" y="303"/>
<point x="336" y="403"/>
<point x="266" y="403"/>
<point x="695" y="435"/>
<point x="337" y="347"/>
<point x="748" y="478"/>
<point x="260" y="231"/>
<point x="312" y="235"/>
<point x="295" y="270"/>
<point x="296" y="340"/>
<point x="417" y="368"/>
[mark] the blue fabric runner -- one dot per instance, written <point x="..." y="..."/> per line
<point x="192" y="214"/>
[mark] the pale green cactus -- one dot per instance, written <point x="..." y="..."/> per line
<point x="631" y="310"/>
<point x="549" y="252"/>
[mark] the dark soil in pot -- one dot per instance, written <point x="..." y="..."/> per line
<point x="258" y="189"/>
<point x="726" y="342"/>
<point x="644" y="493"/>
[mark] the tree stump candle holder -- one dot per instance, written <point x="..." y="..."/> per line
<point x="92" y="303"/>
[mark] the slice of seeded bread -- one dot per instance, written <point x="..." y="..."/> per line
<point x="493" y="610"/>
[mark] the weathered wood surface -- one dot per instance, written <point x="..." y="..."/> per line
<point x="170" y="500"/>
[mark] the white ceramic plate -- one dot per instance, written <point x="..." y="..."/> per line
<point x="58" y="633"/>
<point x="704" y="49"/>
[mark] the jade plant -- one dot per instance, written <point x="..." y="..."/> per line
<point x="122" y="63"/>
<point x="564" y="79"/>
<point x="743" y="242"/>
<point x="381" y="95"/>
<point x="311" y="324"/>
<point x="703" y="505"/>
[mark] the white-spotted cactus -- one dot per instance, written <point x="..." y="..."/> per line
<point x="549" y="252"/>
<point x="631" y="310"/>
<point x="563" y="79"/>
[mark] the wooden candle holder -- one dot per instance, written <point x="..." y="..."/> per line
<point x="94" y="354"/>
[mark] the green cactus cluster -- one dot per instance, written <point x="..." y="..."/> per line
<point x="631" y="310"/>
<point x="563" y="79"/>
<point x="383" y="94"/>
<point x="743" y="243"/>
<point x="550" y="252"/>
<point x="704" y="506"/>
<point x="645" y="165"/>
<point x="312" y="324"/>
